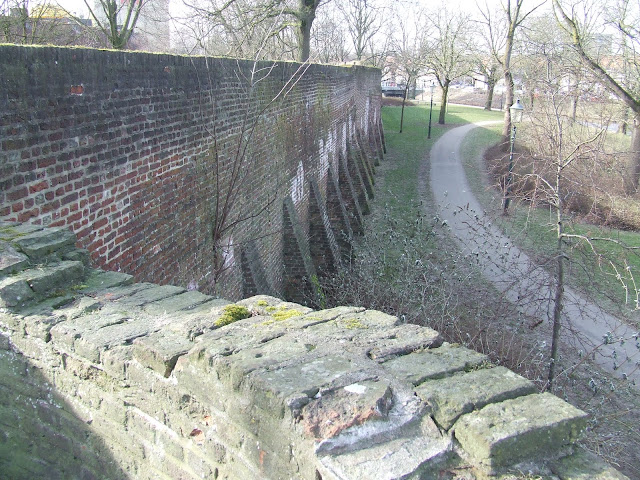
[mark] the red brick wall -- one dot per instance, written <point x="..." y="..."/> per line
<point x="118" y="147"/>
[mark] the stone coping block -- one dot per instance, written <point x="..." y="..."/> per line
<point x="98" y="280"/>
<point x="417" y="367"/>
<point x="11" y="261"/>
<point x="464" y="392"/>
<point x="182" y="301"/>
<point x="160" y="351"/>
<point x="583" y="465"/>
<point x="532" y="427"/>
<point x="41" y="243"/>
<point x="351" y="393"/>
<point x="405" y="457"/>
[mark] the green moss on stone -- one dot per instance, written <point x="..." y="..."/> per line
<point x="285" y="314"/>
<point x="232" y="313"/>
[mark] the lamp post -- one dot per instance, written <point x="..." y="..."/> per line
<point x="516" y="117"/>
<point x="432" y="88"/>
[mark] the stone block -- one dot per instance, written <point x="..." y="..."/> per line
<point x="5" y="341"/>
<point x="399" y="458"/>
<point x="66" y="334"/>
<point x="79" y="307"/>
<point x="149" y="295"/>
<point x="39" y="326"/>
<point x="78" y="255"/>
<point x="115" y="361"/>
<point x="371" y="332"/>
<point x="160" y="351"/>
<point x="583" y="465"/>
<point x="462" y="393"/>
<point x="98" y="280"/>
<point x="235" y="368"/>
<point x="305" y="378"/>
<point x="340" y="409"/>
<point x="40" y="243"/>
<point x="418" y="367"/>
<point x="525" y="428"/>
<point x="51" y="279"/>
<point x="402" y="340"/>
<point x="113" y="294"/>
<point x="90" y="344"/>
<point x="15" y="292"/>
<point x="11" y="261"/>
<point x="183" y="301"/>
<point x="9" y="231"/>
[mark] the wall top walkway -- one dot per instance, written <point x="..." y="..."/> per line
<point x="179" y="387"/>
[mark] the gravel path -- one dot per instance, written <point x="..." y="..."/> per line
<point x="524" y="283"/>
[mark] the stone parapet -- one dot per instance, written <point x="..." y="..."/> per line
<point x="105" y="378"/>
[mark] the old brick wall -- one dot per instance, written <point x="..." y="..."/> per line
<point x="140" y="154"/>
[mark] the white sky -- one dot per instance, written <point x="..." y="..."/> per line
<point x="77" y="7"/>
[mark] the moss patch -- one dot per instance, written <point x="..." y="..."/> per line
<point x="285" y="314"/>
<point x="232" y="313"/>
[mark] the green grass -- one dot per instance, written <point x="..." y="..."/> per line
<point x="410" y="147"/>
<point x="534" y="230"/>
<point x="398" y="211"/>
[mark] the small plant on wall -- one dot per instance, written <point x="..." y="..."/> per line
<point x="234" y="161"/>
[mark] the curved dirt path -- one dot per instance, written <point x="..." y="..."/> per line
<point x="524" y="283"/>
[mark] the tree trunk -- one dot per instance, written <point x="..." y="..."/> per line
<point x="443" y="103"/>
<point x="508" y="101"/>
<point x="305" y="40"/>
<point x="557" y="311"/>
<point x="306" y="15"/>
<point x="559" y="280"/>
<point x="404" y="99"/>
<point x="633" y="167"/>
<point x="491" y="85"/>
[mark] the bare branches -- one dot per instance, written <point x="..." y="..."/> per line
<point x="116" y="20"/>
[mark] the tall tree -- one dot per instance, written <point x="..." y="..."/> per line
<point x="491" y="45"/>
<point x="240" y="19"/>
<point x="408" y="47"/>
<point x="115" y="19"/>
<point x="514" y="17"/>
<point x="329" y="39"/>
<point x="621" y="78"/>
<point x="26" y="22"/>
<point x="449" y="52"/>
<point x="364" y="19"/>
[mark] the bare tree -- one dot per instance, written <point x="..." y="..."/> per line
<point x="490" y="47"/>
<point x="408" y="47"/>
<point x="238" y="19"/>
<point x="26" y="22"/>
<point x="329" y="39"/>
<point x="514" y="16"/>
<point x="116" y="20"/>
<point x="621" y="79"/>
<point x="449" y="53"/>
<point x="364" y="19"/>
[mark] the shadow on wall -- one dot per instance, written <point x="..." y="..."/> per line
<point x="41" y="435"/>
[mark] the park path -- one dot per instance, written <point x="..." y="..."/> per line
<point x="524" y="283"/>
